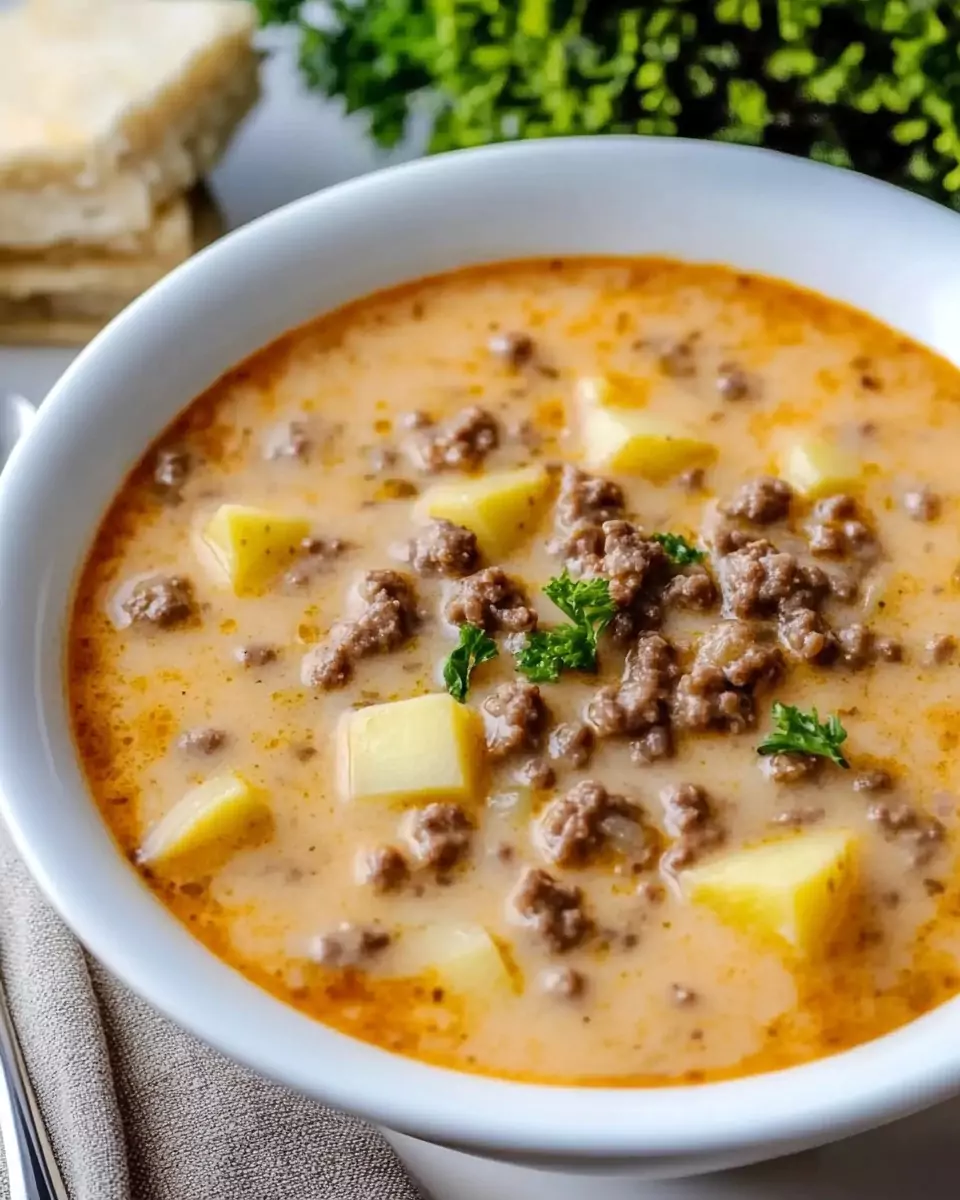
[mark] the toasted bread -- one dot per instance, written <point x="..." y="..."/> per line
<point x="65" y="296"/>
<point x="88" y="153"/>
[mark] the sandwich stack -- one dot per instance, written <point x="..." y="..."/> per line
<point x="111" y="111"/>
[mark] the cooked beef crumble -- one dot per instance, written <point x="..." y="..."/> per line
<point x="919" y="832"/>
<point x="552" y="910"/>
<point x="444" y="549"/>
<point x="349" y="945"/>
<point x="205" y="739"/>
<point x="587" y="499"/>
<point x="691" y="821"/>
<point x="459" y="444"/>
<point x="571" y="743"/>
<point x="383" y="869"/>
<point x="388" y="620"/>
<point x="492" y="600"/>
<point x="640" y="700"/>
<point x="573" y="827"/>
<point x="513" y="715"/>
<point x="789" y="767"/>
<point x="732" y="660"/>
<point x="162" y="600"/>
<point x="761" y="501"/>
<point x="439" y="835"/>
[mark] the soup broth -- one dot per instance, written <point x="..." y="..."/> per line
<point x="747" y="496"/>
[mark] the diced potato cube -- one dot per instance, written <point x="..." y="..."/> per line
<point x="224" y="810"/>
<point x="466" y="958"/>
<point x="501" y="508"/>
<point x="797" y="889"/>
<point x="253" y="545"/>
<point x="617" y="437"/>
<point x="818" y="468"/>
<point x="412" y="751"/>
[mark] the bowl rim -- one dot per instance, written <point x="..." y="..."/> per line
<point x="819" y="1101"/>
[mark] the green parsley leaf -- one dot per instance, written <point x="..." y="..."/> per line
<point x="474" y="648"/>
<point x="797" y="732"/>
<point x="678" y="549"/>
<point x="573" y="647"/>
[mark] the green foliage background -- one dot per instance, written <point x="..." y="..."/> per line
<point x="868" y="84"/>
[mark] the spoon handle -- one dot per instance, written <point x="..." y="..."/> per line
<point x="31" y="1166"/>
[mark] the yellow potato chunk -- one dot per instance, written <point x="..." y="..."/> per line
<point x="818" y="468"/>
<point x="634" y="441"/>
<point x="253" y="545"/>
<point x="466" y="958"/>
<point x="796" y="889"/>
<point x="501" y="508"/>
<point x="218" y="813"/>
<point x="613" y="390"/>
<point x="412" y="751"/>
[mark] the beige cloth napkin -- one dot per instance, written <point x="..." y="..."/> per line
<point x="138" y="1110"/>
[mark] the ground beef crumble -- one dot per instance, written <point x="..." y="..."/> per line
<point x="513" y="715"/>
<point x="205" y="739"/>
<point x="836" y="529"/>
<point x="444" y="549"/>
<point x="691" y="821"/>
<point x="587" y="499"/>
<point x="162" y="600"/>
<point x="491" y="600"/>
<point x="640" y="699"/>
<point x="349" y="945"/>
<point x="571" y="743"/>
<point x="694" y="590"/>
<point x="919" y="832"/>
<point x="439" y="835"/>
<point x="654" y="744"/>
<point x="388" y="620"/>
<point x="789" y="767"/>
<point x="732" y="660"/>
<point x="552" y="910"/>
<point x="574" y="827"/>
<point x="384" y="869"/>
<point x="459" y="444"/>
<point x="761" y="501"/>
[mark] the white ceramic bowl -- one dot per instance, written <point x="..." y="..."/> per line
<point x="880" y="249"/>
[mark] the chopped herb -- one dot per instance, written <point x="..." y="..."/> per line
<point x="573" y="647"/>
<point x="474" y="648"/>
<point x="678" y="549"/>
<point x="797" y="732"/>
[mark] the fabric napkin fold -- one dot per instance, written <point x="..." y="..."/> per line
<point x="137" y="1109"/>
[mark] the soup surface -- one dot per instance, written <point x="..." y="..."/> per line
<point x="603" y="855"/>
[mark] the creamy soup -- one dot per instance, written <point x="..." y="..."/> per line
<point x="547" y="670"/>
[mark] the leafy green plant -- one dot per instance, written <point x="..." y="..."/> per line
<point x="868" y="84"/>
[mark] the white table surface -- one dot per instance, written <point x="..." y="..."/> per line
<point x="295" y="144"/>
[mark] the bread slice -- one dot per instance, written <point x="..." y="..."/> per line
<point x="88" y="152"/>
<point x="65" y="296"/>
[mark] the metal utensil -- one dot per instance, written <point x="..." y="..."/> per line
<point x="31" y="1167"/>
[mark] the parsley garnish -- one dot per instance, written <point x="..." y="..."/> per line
<point x="474" y="648"/>
<point x="572" y="647"/>
<point x="797" y="732"/>
<point x="678" y="549"/>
